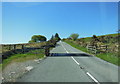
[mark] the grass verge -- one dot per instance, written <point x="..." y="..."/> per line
<point x="109" y="57"/>
<point x="34" y="54"/>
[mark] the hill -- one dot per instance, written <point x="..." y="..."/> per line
<point x="111" y="41"/>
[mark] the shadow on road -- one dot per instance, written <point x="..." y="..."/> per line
<point x="69" y="54"/>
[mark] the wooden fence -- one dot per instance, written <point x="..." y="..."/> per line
<point x="97" y="49"/>
<point x="10" y="49"/>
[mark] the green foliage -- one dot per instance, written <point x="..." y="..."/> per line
<point x="52" y="38"/>
<point x="31" y="41"/>
<point x="57" y="38"/>
<point x="74" y="36"/>
<point x="94" y="36"/>
<point x="37" y="38"/>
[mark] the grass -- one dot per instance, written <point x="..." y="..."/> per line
<point x="34" y="54"/>
<point x="87" y="39"/>
<point x="76" y="46"/>
<point x="113" y="35"/>
<point x="109" y="57"/>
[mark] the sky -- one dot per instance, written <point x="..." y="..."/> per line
<point x="60" y="0"/>
<point x="22" y="20"/>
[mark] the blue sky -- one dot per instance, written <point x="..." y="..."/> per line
<point x="21" y="20"/>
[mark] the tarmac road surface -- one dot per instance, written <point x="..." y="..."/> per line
<point x="71" y="65"/>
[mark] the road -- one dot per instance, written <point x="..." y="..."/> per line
<point x="80" y="68"/>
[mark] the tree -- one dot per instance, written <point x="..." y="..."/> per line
<point x="31" y="41"/>
<point x="74" y="36"/>
<point x="95" y="38"/>
<point x="57" y="38"/>
<point x="37" y="38"/>
<point x="52" y="38"/>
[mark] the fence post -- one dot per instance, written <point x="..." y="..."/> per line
<point x="106" y="48"/>
<point x="14" y="47"/>
<point x="9" y="47"/>
<point x="22" y="48"/>
<point x="95" y="49"/>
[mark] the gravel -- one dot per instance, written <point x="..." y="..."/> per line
<point x="17" y="69"/>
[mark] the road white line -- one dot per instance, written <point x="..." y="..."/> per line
<point x="92" y="78"/>
<point x="79" y="64"/>
<point x="75" y="60"/>
<point x="64" y="48"/>
<point x="71" y="56"/>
